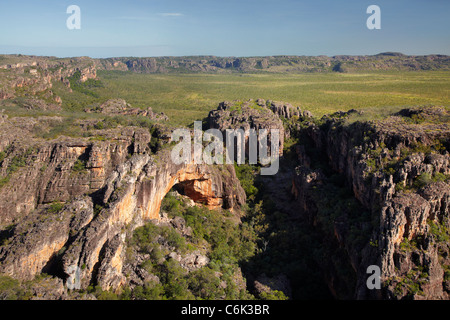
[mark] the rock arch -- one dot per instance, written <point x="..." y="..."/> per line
<point x="100" y="248"/>
<point x="132" y="193"/>
<point x="204" y="184"/>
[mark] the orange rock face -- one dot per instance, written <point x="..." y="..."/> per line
<point x="196" y="184"/>
<point x="119" y="187"/>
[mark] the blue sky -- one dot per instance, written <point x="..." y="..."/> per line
<point x="223" y="28"/>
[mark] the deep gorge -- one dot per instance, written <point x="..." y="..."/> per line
<point x="347" y="195"/>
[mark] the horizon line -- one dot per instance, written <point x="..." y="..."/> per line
<point x="394" y="53"/>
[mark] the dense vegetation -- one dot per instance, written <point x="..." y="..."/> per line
<point x="12" y="289"/>
<point x="227" y="244"/>
<point x="265" y="242"/>
<point x="285" y="247"/>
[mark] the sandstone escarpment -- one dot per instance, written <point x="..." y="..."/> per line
<point x="240" y="115"/>
<point x="35" y="244"/>
<point x="397" y="170"/>
<point x="133" y="195"/>
<point x="291" y="64"/>
<point x="376" y="193"/>
<point x="415" y="255"/>
<point x="69" y="204"/>
<point x="31" y="80"/>
<point x="43" y="172"/>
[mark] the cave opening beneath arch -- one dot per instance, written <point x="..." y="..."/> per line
<point x="189" y="189"/>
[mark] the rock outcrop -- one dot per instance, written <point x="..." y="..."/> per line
<point x="31" y="80"/>
<point x="246" y="115"/>
<point x="292" y="64"/>
<point x="121" y="107"/>
<point x="265" y="285"/>
<point x="377" y="193"/>
<point x="397" y="169"/>
<point x="284" y="110"/>
<point x="70" y="203"/>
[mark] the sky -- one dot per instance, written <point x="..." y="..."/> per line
<point x="223" y="28"/>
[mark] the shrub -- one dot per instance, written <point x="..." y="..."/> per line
<point x="97" y="209"/>
<point x="79" y="166"/>
<point x="422" y="180"/>
<point x="246" y="174"/>
<point x="84" y="87"/>
<point x="204" y="283"/>
<point x="426" y="178"/>
<point x="440" y="177"/>
<point x="150" y="291"/>
<point x="273" y="295"/>
<point x="99" y="125"/>
<point x="4" y="181"/>
<point x="11" y="289"/>
<point x="441" y="233"/>
<point x="446" y="272"/>
<point x="172" y="205"/>
<point x="55" y="207"/>
<point x="174" y="239"/>
<point x="14" y="165"/>
<point x="103" y="295"/>
<point x="145" y="235"/>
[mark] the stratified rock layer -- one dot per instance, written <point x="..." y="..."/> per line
<point x="397" y="170"/>
<point x="73" y="202"/>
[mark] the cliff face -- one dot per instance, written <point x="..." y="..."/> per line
<point x="31" y="79"/>
<point x="397" y="170"/>
<point x="41" y="172"/>
<point x="71" y="203"/>
<point x="213" y="64"/>
<point x="294" y="64"/>
<point x="253" y="114"/>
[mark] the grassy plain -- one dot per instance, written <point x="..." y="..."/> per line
<point x="187" y="97"/>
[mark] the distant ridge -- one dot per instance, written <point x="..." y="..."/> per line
<point x="287" y="64"/>
<point x="385" y="61"/>
<point x="393" y="54"/>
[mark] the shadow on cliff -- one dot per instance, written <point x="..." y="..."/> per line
<point x="289" y="248"/>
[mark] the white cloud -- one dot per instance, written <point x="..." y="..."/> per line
<point x="171" y="14"/>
